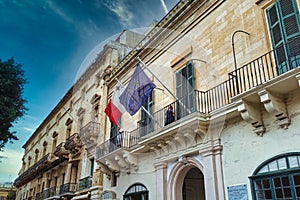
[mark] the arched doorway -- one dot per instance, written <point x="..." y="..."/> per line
<point x="193" y="185"/>
<point x="136" y="192"/>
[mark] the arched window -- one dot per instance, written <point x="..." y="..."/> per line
<point x="277" y="178"/>
<point x="136" y="191"/>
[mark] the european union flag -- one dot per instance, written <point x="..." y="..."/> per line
<point x="137" y="91"/>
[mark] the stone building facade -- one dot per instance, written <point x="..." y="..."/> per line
<point x="229" y="71"/>
<point x="59" y="159"/>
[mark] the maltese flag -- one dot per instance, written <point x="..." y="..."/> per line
<point x="114" y="108"/>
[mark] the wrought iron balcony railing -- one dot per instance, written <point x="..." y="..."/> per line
<point x="85" y="183"/>
<point x="46" y="193"/>
<point x="30" y="173"/>
<point x="60" y="150"/>
<point x="68" y="188"/>
<point x="53" y="191"/>
<point x="91" y="129"/>
<point x="259" y="71"/>
<point x="72" y="142"/>
<point x="39" y="196"/>
<point x="122" y="140"/>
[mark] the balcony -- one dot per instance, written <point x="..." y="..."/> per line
<point x="33" y="171"/>
<point x="116" y="149"/>
<point x="39" y="196"/>
<point x="89" y="134"/>
<point x="260" y="81"/>
<point x="60" y="150"/>
<point x="46" y="193"/>
<point x="73" y="144"/>
<point x="85" y="183"/>
<point x="68" y="189"/>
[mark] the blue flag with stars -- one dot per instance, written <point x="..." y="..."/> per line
<point x="137" y="91"/>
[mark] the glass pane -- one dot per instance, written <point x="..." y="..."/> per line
<point x="266" y="184"/>
<point x="277" y="182"/>
<point x="282" y="163"/>
<point x="293" y="161"/>
<point x="285" y="181"/>
<point x="264" y="169"/>
<point x="258" y="185"/>
<point x="268" y="194"/>
<point x="296" y="180"/>
<point x="297" y="191"/>
<point x="287" y="192"/>
<point x="279" y="193"/>
<point x="273" y="166"/>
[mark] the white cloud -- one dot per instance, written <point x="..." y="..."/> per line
<point x="11" y="165"/>
<point x="163" y="4"/>
<point x="122" y="11"/>
<point x="60" y="12"/>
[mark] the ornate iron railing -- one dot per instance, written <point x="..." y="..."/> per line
<point x="122" y="140"/>
<point x="85" y="183"/>
<point x="257" y="72"/>
<point x="72" y="142"/>
<point x="68" y="188"/>
<point x="92" y="128"/>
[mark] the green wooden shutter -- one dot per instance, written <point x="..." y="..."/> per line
<point x="284" y="28"/>
<point x="190" y="87"/>
<point x="185" y="90"/>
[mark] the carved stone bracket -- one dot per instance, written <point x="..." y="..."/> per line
<point x="252" y="114"/>
<point x="276" y="106"/>
<point x="112" y="164"/>
<point x="298" y="78"/>
<point x="131" y="159"/>
<point x="104" y="169"/>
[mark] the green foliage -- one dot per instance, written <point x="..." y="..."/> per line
<point x="11" y="101"/>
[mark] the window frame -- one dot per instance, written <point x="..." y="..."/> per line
<point x="289" y="172"/>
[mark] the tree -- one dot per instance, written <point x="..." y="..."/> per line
<point x="11" y="101"/>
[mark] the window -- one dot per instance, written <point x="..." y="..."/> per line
<point x="45" y="148"/>
<point x="185" y="90"/>
<point x="36" y="156"/>
<point x="137" y="192"/>
<point x="29" y="161"/>
<point x="54" y="144"/>
<point x="277" y="178"/>
<point x="69" y="127"/>
<point x="146" y="123"/>
<point x="92" y="167"/>
<point x="284" y="28"/>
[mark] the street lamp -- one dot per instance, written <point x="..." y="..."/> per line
<point x="234" y="58"/>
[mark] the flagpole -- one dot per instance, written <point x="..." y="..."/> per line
<point x="144" y="109"/>
<point x="138" y="58"/>
<point x="179" y="101"/>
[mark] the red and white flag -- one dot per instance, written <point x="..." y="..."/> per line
<point x="114" y="108"/>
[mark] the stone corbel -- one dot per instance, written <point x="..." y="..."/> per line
<point x="122" y="163"/>
<point x="112" y="164"/>
<point x="132" y="160"/>
<point x="251" y="113"/>
<point x="298" y="78"/>
<point x="104" y="169"/>
<point x="275" y="106"/>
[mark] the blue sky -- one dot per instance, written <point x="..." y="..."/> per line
<point x="51" y="39"/>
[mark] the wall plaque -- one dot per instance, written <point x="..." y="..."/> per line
<point x="237" y="192"/>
